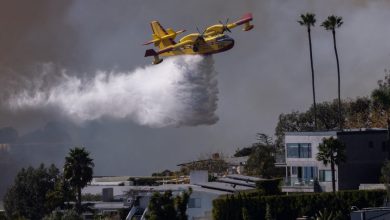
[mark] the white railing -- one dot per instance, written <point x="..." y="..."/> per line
<point x="144" y="214"/>
<point x="133" y="210"/>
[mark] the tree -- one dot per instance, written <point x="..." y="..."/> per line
<point x="163" y="206"/>
<point x="261" y="161"/>
<point x="213" y="163"/>
<point x="330" y="24"/>
<point x="386" y="177"/>
<point x="331" y="151"/>
<point x="27" y="197"/>
<point x="309" y="20"/>
<point x="358" y="113"/>
<point x="381" y="98"/>
<point x="181" y="203"/>
<point x="361" y="112"/>
<point x="78" y="170"/>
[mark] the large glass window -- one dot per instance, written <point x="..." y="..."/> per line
<point x="298" y="150"/>
<point x="325" y="175"/>
<point x="309" y="172"/>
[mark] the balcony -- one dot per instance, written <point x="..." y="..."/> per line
<point x="294" y="184"/>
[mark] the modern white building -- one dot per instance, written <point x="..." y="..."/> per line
<point x="366" y="150"/>
<point x="137" y="197"/>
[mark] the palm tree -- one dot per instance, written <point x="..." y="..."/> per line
<point x="309" y="20"/>
<point x="331" y="151"/>
<point x="330" y="24"/>
<point x="78" y="170"/>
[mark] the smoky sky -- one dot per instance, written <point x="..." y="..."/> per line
<point x="265" y="74"/>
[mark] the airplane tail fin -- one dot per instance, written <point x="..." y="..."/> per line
<point x="165" y="38"/>
<point x="246" y="19"/>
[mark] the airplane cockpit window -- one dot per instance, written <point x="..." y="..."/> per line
<point x="223" y="38"/>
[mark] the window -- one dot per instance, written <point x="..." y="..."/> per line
<point x="309" y="173"/>
<point x="371" y="144"/>
<point x="294" y="170"/>
<point x="298" y="150"/>
<point x="326" y="175"/>
<point x="194" y="203"/>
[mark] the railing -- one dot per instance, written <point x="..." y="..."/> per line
<point x="294" y="181"/>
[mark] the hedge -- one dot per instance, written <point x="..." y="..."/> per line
<point x="269" y="187"/>
<point x="285" y="207"/>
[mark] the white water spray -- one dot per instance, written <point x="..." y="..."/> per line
<point x="180" y="91"/>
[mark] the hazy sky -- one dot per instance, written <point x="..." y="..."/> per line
<point x="265" y="74"/>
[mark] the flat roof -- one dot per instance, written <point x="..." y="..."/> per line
<point x="237" y="182"/>
<point x="311" y="133"/>
<point x="335" y="132"/>
<point x="244" y="178"/>
<point x="227" y="187"/>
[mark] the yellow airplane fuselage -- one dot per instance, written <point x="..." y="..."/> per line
<point x="210" y="45"/>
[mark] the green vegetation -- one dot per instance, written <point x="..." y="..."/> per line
<point x="78" y="170"/>
<point x="2" y="216"/>
<point x="385" y="171"/>
<point x="149" y="181"/>
<point x="91" y="197"/>
<point x="36" y="192"/>
<point x="164" y="173"/>
<point x="167" y="207"/>
<point x="261" y="161"/>
<point x="269" y="187"/>
<point x="214" y="164"/>
<point x="327" y="214"/>
<point x="362" y="112"/>
<point x="67" y="215"/>
<point x="27" y="197"/>
<point x="292" y="206"/>
<point x="381" y="97"/>
<point x="331" y="151"/>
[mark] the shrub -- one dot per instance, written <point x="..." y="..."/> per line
<point x="292" y="206"/>
<point x="269" y="187"/>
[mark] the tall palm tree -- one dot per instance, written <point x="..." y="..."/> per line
<point x="78" y="170"/>
<point x="331" y="151"/>
<point x="309" y="20"/>
<point x="330" y="24"/>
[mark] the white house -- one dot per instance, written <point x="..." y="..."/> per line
<point x="366" y="150"/>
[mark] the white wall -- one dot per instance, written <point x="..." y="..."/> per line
<point x="314" y="141"/>
<point x="204" y="212"/>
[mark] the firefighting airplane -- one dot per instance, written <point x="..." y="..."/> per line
<point x="212" y="40"/>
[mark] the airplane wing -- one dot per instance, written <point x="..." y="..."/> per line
<point x="169" y="48"/>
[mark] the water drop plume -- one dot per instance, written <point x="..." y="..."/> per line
<point x="181" y="91"/>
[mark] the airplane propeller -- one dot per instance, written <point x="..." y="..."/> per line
<point x="201" y="35"/>
<point x="200" y="38"/>
<point x="225" y="28"/>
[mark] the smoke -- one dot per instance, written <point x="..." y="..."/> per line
<point x="181" y="91"/>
